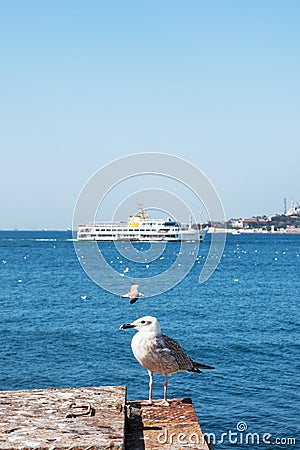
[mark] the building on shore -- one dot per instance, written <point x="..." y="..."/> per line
<point x="294" y="209"/>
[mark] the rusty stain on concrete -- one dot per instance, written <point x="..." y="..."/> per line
<point x="159" y="427"/>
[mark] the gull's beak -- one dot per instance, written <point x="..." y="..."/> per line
<point x="126" y="325"/>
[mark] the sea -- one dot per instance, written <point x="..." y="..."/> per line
<point x="60" y="329"/>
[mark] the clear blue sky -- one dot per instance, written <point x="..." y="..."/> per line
<point x="83" y="83"/>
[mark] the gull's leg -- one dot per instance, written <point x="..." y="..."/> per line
<point x="151" y="383"/>
<point x="165" y="401"/>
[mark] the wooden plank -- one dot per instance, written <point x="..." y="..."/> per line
<point x="77" y="418"/>
<point x="163" y="427"/>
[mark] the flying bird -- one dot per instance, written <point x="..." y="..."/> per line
<point x="133" y="293"/>
<point x="159" y="353"/>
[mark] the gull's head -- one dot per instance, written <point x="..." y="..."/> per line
<point x="144" y="324"/>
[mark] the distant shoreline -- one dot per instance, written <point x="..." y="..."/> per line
<point x="211" y="230"/>
<point x="237" y="232"/>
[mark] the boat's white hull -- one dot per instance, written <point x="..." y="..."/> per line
<point x="181" y="236"/>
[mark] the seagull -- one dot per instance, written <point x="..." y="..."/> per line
<point x="159" y="353"/>
<point x="133" y="293"/>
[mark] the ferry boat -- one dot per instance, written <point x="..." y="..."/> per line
<point x="140" y="228"/>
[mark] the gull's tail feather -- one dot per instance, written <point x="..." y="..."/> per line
<point x="197" y="366"/>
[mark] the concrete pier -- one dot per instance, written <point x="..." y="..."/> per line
<point x="163" y="427"/>
<point x="95" y="418"/>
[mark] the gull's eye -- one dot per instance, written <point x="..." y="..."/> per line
<point x="143" y="321"/>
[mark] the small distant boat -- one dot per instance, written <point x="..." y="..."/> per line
<point x="140" y="228"/>
<point x="235" y="232"/>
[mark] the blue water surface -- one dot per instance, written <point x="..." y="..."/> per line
<point x="243" y="320"/>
